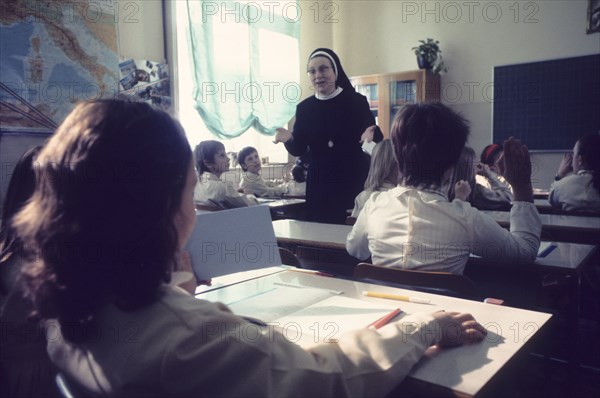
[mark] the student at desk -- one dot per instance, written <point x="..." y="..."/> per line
<point x="577" y="182"/>
<point x="383" y="174"/>
<point x="252" y="182"/>
<point x="211" y="163"/>
<point x="414" y="226"/>
<point x="120" y="330"/>
<point x="491" y="193"/>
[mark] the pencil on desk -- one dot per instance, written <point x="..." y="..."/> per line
<point x="381" y="322"/>
<point x="396" y="297"/>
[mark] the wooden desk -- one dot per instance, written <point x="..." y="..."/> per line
<point x="468" y="370"/>
<point x="558" y="227"/>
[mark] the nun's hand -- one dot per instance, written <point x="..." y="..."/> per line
<point x="282" y="136"/>
<point x="367" y="136"/>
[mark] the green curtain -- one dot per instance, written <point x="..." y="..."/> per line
<point x="245" y="65"/>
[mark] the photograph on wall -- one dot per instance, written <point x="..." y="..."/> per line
<point x="147" y="81"/>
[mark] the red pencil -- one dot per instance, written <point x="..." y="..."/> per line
<point x="384" y="319"/>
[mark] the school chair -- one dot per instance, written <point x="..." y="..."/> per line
<point x="69" y="388"/>
<point x="444" y="283"/>
<point x="335" y="261"/>
<point x="289" y="258"/>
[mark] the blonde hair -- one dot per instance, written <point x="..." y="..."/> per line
<point x="384" y="167"/>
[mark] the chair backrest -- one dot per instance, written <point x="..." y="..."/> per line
<point x="337" y="262"/>
<point x="444" y="283"/>
<point x="71" y="389"/>
<point x="234" y="240"/>
<point x="289" y="258"/>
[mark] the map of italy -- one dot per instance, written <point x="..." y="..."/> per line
<point x="53" y="55"/>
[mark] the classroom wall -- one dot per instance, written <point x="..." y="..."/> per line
<point x="377" y="37"/>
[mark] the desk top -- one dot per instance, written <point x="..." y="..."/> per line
<point x="328" y="236"/>
<point x="553" y="220"/>
<point x="565" y="256"/>
<point x="464" y="369"/>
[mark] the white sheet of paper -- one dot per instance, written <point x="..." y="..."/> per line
<point x="368" y="146"/>
<point x="229" y="241"/>
<point x="309" y="316"/>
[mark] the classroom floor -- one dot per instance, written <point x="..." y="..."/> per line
<point x="547" y="373"/>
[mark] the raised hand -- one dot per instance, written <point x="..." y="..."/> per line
<point x="517" y="169"/>
<point x="566" y="165"/>
<point x="462" y="190"/>
<point x="483" y="169"/>
<point x="368" y="134"/>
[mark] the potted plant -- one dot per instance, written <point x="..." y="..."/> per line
<point x="429" y="56"/>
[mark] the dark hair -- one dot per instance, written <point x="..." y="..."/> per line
<point x="299" y="173"/>
<point x="205" y="152"/>
<point x="304" y="160"/>
<point x="589" y="150"/>
<point x="20" y="188"/>
<point x="243" y="154"/>
<point x="489" y="153"/>
<point x="428" y="139"/>
<point x="109" y="185"/>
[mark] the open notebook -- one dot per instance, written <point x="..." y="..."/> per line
<point x="229" y="241"/>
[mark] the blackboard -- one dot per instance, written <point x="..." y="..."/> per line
<point x="549" y="105"/>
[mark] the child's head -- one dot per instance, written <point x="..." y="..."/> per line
<point x="304" y="160"/>
<point x="249" y="160"/>
<point x="113" y="203"/>
<point x="299" y="173"/>
<point x="428" y="139"/>
<point x="586" y="153"/>
<point x="492" y="156"/>
<point x="586" y="156"/>
<point x="211" y="157"/>
<point x="384" y="167"/>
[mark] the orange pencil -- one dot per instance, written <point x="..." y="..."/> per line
<point x="381" y="322"/>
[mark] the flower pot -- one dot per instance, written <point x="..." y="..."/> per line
<point x="423" y="62"/>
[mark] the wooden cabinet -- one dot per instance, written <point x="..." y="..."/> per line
<point x="388" y="92"/>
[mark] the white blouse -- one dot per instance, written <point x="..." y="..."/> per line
<point x="575" y="192"/>
<point x="212" y="191"/>
<point x="419" y="229"/>
<point x="182" y="346"/>
<point x="255" y="184"/>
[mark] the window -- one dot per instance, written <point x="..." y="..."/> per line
<point x="242" y="74"/>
